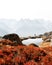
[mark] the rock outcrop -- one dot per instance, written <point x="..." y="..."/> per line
<point x="14" y="38"/>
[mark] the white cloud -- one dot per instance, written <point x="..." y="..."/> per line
<point x="32" y="9"/>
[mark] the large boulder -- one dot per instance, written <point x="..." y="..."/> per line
<point x="14" y="38"/>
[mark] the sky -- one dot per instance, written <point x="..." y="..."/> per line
<point x="14" y="10"/>
<point x="26" y="9"/>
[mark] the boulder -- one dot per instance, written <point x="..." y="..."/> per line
<point x="14" y="38"/>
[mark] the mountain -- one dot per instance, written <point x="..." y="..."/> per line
<point x="24" y="27"/>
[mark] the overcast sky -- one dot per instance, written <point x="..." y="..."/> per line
<point x="26" y="9"/>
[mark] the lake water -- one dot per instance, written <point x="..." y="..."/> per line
<point x="35" y="41"/>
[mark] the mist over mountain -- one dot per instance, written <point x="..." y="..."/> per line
<point x="24" y="27"/>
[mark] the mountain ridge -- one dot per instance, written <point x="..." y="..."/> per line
<point x="24" y="27"/>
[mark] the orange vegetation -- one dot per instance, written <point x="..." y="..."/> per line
<point x="23" y="55"/>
